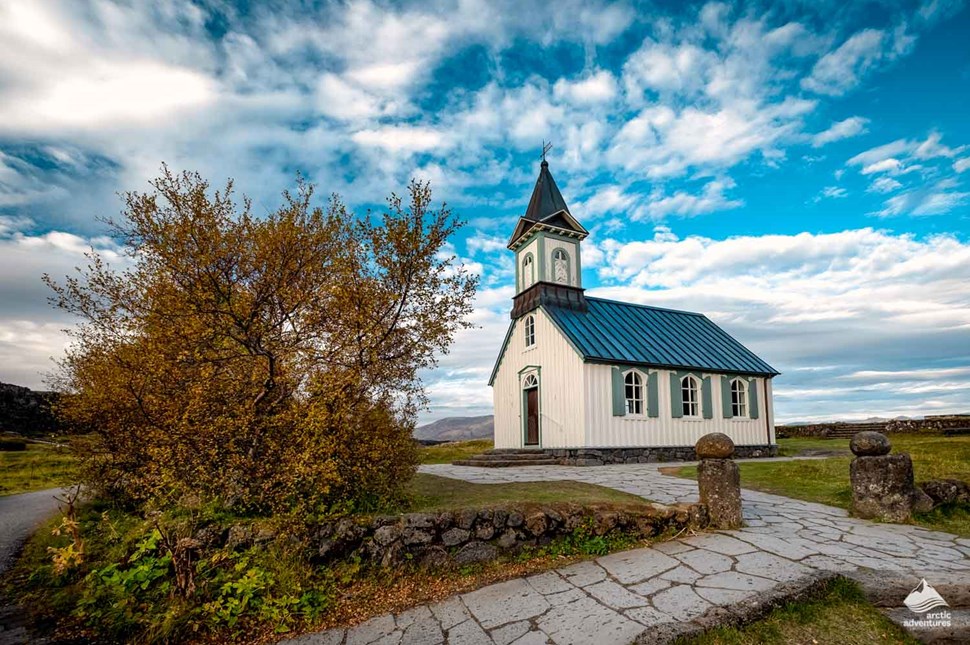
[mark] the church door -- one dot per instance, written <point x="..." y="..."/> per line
<point x="532" y="417"/>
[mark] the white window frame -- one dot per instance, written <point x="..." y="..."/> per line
<point x="690" y="406"/>
<point x="739" y="398"/>
<point x="530" y="381"/>
<point x="565" y="257"/>
<point x="638" y="385"/>
<point x="530" y="331"/>
<point x="528" y="271"/>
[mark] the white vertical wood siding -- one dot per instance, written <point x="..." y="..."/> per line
<point x="561" y="400"/>
<point x="603" y="430"/>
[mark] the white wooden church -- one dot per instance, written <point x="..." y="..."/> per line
<point x="591" y="380"/>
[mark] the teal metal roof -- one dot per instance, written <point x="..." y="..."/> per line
<point x="620" y="332"/>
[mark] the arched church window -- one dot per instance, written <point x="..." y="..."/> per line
<point x="560" y="266"/>
<point x="530" y="331"/>
<point x="528" y="272"/>
<point x="689" y="395"/>
<point x="530" y="382"/>
<point x="634" y="392"/>
<point x="739" y="398"/>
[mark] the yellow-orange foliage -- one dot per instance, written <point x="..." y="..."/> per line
<point x="267" y="362"/>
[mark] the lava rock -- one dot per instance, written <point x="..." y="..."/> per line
<point x="455" y="536"/>
<point x="719" y="486"/>
<point x="869" y="444"/>
<point x="387" y="534"/>
<point x="475" y="552"/>
<point x="946" y="491"/>
<point x="715" y="445"/>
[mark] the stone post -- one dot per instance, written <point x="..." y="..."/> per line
<point x="882" y="484"/>
<point x="719" y="480"/>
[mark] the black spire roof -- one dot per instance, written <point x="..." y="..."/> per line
<point x="547" y="207"/>
<point x="546" y="198"/>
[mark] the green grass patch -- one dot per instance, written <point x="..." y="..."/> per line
<point x="802" y="445"/>
<point x="827" y="480"/>
<point x="841" y="615"/>
<point x="430" y="492"/>
<point x="446" y="453"/>
<point x="38" y="467"/>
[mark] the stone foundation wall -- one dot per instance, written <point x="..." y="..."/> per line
<point x="457" y="538"/>
<point x="604" y="456"/>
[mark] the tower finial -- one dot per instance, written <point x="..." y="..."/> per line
<point x="546" y="147"/>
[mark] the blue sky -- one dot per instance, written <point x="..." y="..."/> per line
<point x="799" y="171"/>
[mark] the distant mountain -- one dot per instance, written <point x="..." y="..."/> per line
<point x="456" y="429"/>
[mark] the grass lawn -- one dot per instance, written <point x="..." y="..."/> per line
<point x="827" y="480"/>
<point x="39" y="466"/>
<point x="448" y="452"/>
<point x="842" y="615"/>
<point x="430" y="492"/>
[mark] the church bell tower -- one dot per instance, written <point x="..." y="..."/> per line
<point x="546" y="243"/>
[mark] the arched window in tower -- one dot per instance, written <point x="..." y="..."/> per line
<point x="530" y="331"/>
<point x="560" y="266"/>
<point x="528" y="272"/>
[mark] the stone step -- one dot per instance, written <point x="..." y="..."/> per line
<point x="505" y="463"/>
<point x="512" y="456"/>
<point x="515" y="451"/>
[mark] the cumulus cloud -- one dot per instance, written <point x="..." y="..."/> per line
<point x="858" y="301"/>
<point x="851" y="127"/>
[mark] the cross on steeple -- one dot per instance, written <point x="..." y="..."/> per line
<point x="546" y="147"/>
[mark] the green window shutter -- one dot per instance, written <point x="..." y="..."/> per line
<point x="653" y="397"/>
<point x="676" y="397"/>
<point x="619" y="398"/>
<point x="706" y="398"/>
<point x="753" y="398"/>
<point x="726" y="408"/>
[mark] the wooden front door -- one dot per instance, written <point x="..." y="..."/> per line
<point x="532" y="417"/>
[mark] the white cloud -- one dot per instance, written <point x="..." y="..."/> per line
<point x="851" y="127"/>
<point x="711" y="199"/>
<point x="884" y="185"/>
<point x="930" y="159"/>
<point x="932" y="199"/>
<point x="856" y="301"/>
<point x="832" y="192"/>
<point x="961" y="164"/>
<point x="841" y="70"/>
<point x="400" y="138"/>
<point x="594" y="88"/>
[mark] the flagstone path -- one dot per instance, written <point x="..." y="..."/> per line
<point x="649" y="593"/>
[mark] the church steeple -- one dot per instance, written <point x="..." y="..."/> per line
<point x="546" y="243"/>
<point x="546" y="198"/>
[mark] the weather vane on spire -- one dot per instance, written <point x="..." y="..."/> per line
<point x="546" y="147"/>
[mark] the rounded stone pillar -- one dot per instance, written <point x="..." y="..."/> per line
<point x="882" y="484"/>
<point x="719" y="480"/>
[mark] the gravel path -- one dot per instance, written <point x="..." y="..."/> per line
<point x="658" y="592"/>
<point x="19" y="517"/>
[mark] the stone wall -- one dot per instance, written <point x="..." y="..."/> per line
<point x="604" y="456"/>
<point x="936" y="424"/>
<point x="457" y="538"/>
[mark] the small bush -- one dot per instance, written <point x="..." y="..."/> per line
<point x="11" y="445"/>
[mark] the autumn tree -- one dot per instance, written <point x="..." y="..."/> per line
<point x="265" y="362"/>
